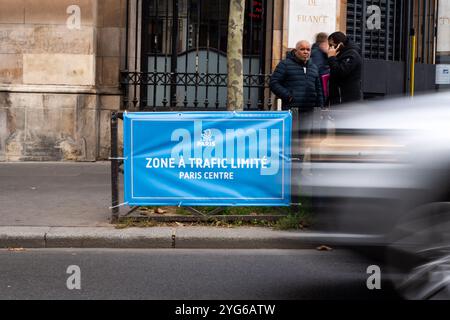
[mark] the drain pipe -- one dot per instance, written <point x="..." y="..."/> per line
<point x="412" y="62"/>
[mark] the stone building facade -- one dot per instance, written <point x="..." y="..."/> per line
<point x="59" y="77"/>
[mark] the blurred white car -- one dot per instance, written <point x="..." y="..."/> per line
<point x="379" y="175"/>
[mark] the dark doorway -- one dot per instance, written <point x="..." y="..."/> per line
<point x="183" y="59"/>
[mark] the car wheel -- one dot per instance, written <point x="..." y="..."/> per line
<point x="418" y="255"/>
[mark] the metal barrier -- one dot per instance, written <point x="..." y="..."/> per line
<point x="117" y="162"/>
<point x="196" y="91"/>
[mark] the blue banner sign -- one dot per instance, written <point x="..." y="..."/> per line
<point x="207" y="158"/>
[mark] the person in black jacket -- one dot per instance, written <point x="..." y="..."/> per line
<point x="296" y="80"/>
<point x="345" y="69"/>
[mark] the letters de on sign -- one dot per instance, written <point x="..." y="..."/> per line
<point x="309" y="17"/>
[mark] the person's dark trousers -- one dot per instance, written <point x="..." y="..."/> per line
<point x="306" y="120"/>
<point x="302" y="131"/>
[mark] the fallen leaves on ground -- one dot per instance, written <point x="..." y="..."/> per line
<point x="160" y="211"/>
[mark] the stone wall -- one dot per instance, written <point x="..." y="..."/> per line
<point x="59" y="77"/>
<point x="281" y="27"/>
<point x="47" y="127"/>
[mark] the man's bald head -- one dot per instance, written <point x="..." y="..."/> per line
<point x="302" y="42"/>
<point x="303" y="50"/>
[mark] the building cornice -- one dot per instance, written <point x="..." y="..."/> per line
<point x="59" y="89"/>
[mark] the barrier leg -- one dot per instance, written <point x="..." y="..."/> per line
<point x="296" y="164"/>
<point x="114" y="170"/>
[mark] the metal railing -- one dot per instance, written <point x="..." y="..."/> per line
<point x="193" y="90"/>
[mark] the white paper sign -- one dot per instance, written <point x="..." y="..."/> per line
<point x="309" y="17"/>
<point x="443" y="35"/>
<point x="443" y="74"/>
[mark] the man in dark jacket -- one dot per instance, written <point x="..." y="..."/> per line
<point x="296" y="80"/>
<point x="346" y="68"/>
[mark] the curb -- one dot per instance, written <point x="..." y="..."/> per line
<point x="154" y="238"/>
<point x="23" y="237"/>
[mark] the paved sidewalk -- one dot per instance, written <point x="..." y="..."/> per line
<point x="51" y="205"/>
<point x="55" y="194"/>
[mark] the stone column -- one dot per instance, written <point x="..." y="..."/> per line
<point x="341" y="21"/>
<point x="110" y="58"/>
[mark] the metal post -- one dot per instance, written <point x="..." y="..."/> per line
<point x="136" y="41"/>
<point x="363" y="34"/>
<point x="387" y="32"/>
<point x="407" y="30"/>
<point x="413" y="63"/>
<point x="174" y="66"/>
<point x="127" y="30"/>
<point x="114" y="170"/>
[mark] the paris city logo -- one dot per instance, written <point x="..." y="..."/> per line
<point x="207" y="139"/>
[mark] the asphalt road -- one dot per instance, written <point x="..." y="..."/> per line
<point x="187" y="274"/>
